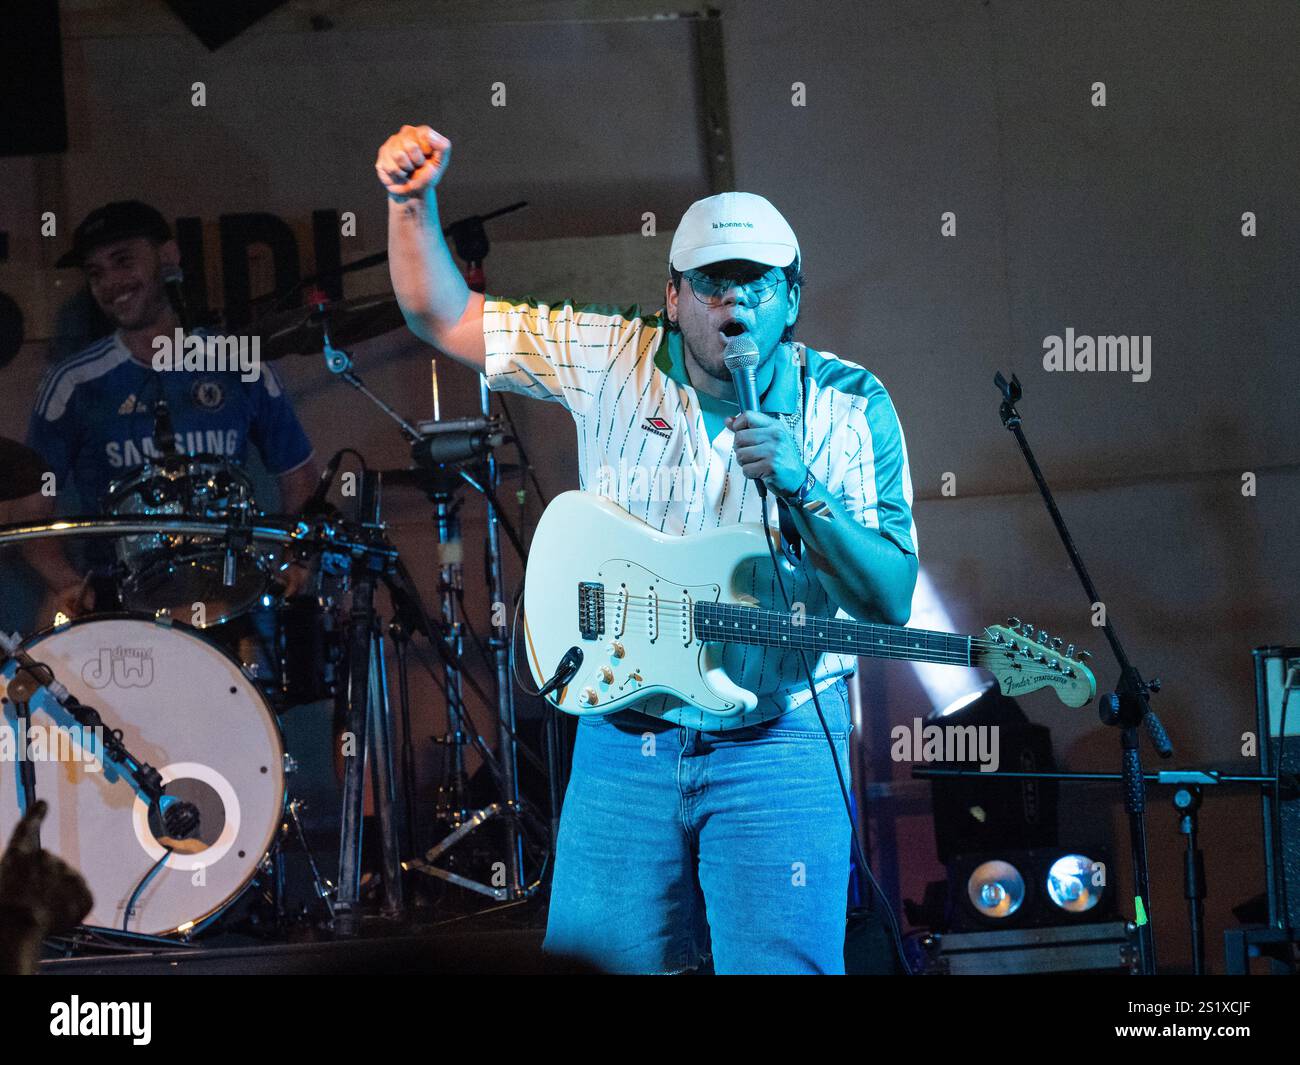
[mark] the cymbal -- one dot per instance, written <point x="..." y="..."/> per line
<point x="301" y="331"/>
<point x="20" y="470"/>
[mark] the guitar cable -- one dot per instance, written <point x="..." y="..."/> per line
<point x="859" y="853"/>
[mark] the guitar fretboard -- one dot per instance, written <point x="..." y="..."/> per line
<point x="730" y="623"/>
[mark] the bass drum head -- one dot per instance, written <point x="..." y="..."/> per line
<point x="185" y="708"/>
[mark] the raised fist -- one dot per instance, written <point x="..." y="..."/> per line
<point x="412" y="161"/>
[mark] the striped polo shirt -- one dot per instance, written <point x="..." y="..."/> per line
<point x="653" y="445"/>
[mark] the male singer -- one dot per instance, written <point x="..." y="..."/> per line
<point x="677" y="842"/>
<point x="95" y="414"/>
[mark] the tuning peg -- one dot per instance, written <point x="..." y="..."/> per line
<point x="1027" y="629"/>
<point x="1013" y="623"/>
<point x="1043" y="637"/>
<point x="1056" y="643"/>
<point x="1154" y="684"/>
<point x="1069" y="651"/>
<point x="1083" y="656"/>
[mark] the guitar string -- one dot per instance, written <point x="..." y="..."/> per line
<point x="674" y="610"/>
<point x="808" y="639"/>
<point x="613" y="599"/>
<point x="895" y="641"/>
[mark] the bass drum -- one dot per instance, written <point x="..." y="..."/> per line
<point x="185" y="708"/>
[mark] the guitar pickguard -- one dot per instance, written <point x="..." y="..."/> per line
<point x="644" y="642"/>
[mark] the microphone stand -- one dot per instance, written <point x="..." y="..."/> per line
<point x="178" y="818"/>
<point x="1125" y="708"/>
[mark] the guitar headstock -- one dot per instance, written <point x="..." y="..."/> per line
<point x="1024" y="660"/>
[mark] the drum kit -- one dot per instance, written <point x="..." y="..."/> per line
<point x="173" y="792"/>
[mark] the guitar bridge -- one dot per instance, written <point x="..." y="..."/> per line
<point x="591" y="609"/>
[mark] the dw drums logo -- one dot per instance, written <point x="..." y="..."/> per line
<point x="127" y="667"/>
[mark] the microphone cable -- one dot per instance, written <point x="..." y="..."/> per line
<point x="859" y="853"/>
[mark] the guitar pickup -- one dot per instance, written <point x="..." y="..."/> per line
<point x="591" y="610"/>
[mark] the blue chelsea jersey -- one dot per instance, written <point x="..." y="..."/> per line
<point x="94" y="418"/>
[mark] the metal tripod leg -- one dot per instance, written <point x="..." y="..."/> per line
<point x="347" y="916"/>
<point x="367" y="704"/>
<point x="381" y="750"/>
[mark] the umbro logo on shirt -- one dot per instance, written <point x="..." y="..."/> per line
<point x="129" y="405"/>
<point x="658" y="426"/>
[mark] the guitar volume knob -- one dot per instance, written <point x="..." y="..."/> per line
<point x="607" y="674"/>
<point x="590" y="696"/>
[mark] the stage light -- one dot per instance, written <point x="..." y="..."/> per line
<point x="1070" y="883"/>
<point x="964" y="700"/>
<point x="1015" y="888"/>
<point x="996" y="889"/>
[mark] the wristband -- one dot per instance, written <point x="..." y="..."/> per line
<point x="801" y="494"/>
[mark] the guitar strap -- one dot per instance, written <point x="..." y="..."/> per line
<point x="791" y="541"/>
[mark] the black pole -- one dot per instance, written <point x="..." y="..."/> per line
<point x="1187" y="802"/>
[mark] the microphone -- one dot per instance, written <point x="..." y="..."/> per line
<point x="449" y="442"/>
<point x="174" y="283"/>
<point x="741" y="359"/>
<point x="164" y="434"/>
<point x="180" y="819"/>
<point x="315" y="503"/>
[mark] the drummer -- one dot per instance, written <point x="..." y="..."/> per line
<point x="94" y="419"/>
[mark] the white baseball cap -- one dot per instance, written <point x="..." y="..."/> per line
<point x="732" y="225"/>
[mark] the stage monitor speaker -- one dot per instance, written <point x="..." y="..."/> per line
<point x="1273" y="665"/>
<point x="33" y="115"/>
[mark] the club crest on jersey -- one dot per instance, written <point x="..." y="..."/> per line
<point x="208" y="395"/>
<point x="658" y="426"/>
<point x="129" y="405"/>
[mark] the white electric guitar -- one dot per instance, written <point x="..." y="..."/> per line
<point x="650" y="613"/>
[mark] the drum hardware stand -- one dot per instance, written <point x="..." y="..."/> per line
<point x="412" y="619"/>
<point x="369" y="726"/>
<point x="1125" y="708"/>
<point x="275" y="865"/>
<point x="453" y="785"/>
<point x="427" y="451"/>
<point x="401" y="638"/>
<point x="441" y="444"/>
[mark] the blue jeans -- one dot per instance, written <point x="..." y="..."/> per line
<point x="672" y="838"/>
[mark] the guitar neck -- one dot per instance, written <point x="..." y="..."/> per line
<point x="731" y="623"/>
